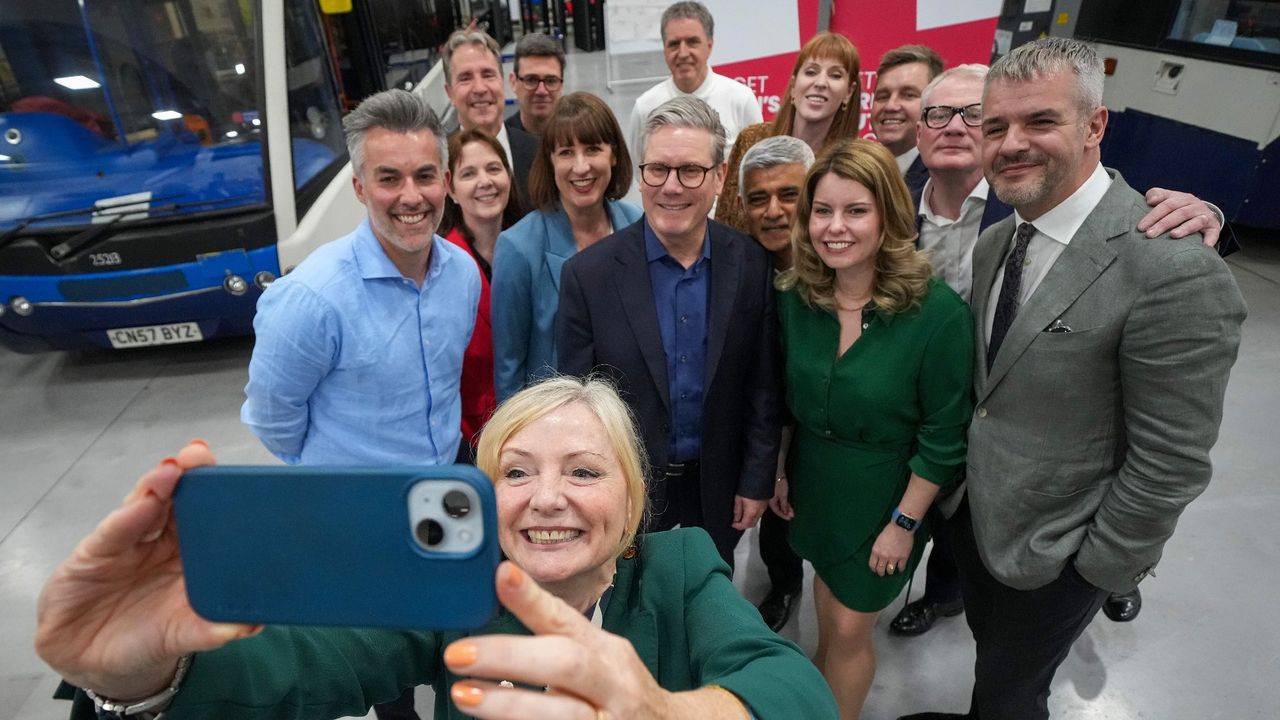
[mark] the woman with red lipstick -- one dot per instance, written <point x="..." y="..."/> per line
<point x="623" y="626"/>
<point x="879" y="364"/>
<point x="820" y="106"/>
<point x="480" y="205"/>
<point x="581" y="170"/>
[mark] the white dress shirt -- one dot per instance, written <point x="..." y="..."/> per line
<point x="950" y="242"/>
<point x="906" y="158"/>
<point x="1054" y="231"/>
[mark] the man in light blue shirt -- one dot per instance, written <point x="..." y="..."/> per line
<point x="359" y="349"/>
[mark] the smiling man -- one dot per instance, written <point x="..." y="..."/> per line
<point x="538" y="79"/>
<point x="895" y="105"/>
<point x="473" y="81"/>
<point x="679" y="310"/>
<point x="359" y="349"/>
<point x="688" y="34"/>
<point x="1099" y="380"/>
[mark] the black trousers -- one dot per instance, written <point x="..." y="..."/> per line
<point x="786" y="569"/>
<point x="1022" y="635"/>
<point x="941" y="578"/>
<point x="675" y="498"/>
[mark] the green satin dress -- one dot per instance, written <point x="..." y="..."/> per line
<point x="897" y="401"/>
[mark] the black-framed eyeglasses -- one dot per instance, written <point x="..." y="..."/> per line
<point x="690" y="176"/>
<point x="937" y="116"/>
<point x="530" y="82"/>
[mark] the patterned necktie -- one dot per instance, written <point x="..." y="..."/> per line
<point x="1010" y="291"/>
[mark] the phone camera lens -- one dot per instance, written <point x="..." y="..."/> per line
<point x="457" y="504"/>
<point x="430" y="533"/>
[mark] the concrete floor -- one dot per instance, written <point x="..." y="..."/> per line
<point x="76" y="429"/>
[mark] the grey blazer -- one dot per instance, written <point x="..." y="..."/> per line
<point x="1086" y="445"/>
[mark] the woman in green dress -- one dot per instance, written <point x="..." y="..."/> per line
<point x="879" y="361"/>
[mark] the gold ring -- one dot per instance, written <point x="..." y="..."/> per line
<point x="601" y="714"/>
<point x="891" y="568"/>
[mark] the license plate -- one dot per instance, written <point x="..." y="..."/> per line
<point x="154" y="335"/>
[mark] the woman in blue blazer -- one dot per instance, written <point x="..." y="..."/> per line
<point x="581" y="170"/>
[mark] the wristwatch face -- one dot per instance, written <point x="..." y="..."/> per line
<point x="905" y="522"/>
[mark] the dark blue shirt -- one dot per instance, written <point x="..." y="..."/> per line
<point x="680" y="297"/>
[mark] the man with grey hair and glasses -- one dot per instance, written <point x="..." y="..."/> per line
<point x="359" y="349"/>
<point x="679" y="311"/>
<point x="1099" y="381"/>
<point x="688" y="34"/>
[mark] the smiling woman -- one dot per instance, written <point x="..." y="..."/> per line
<point x="627" y="627"/>
<point x="581" y="171"/>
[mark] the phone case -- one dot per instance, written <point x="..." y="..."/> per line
<point x="328" y="546"/>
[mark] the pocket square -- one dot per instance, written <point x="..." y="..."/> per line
<point x="1058" y="327"/>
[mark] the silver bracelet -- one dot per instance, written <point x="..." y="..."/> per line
<point x="138" y="707"/>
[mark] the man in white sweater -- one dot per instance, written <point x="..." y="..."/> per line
<point x="687" y="37"/>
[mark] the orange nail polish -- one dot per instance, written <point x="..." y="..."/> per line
<point x="515" y="576"/>
<point x="466" y="694"/>
<point x="461" y="654"/>
<point x="169" y="461"/>
<point x="199" y="441"/>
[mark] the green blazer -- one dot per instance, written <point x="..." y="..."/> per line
<point x="674" y="601"/>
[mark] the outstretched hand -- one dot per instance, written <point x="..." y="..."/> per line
<point x="114" y="616"/>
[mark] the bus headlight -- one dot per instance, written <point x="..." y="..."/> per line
<point x="21" y="306"/>
<point x="235" y="285"/>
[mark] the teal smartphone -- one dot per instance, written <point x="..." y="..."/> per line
<point x="391" y="547"/>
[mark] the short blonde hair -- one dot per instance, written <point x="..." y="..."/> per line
<point x="902" y="271"/>
<point x="598" y="395"/>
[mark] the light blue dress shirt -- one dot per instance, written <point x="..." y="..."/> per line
<point x="355" y="364"/>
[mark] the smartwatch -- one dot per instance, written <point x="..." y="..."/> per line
<point x="906" y="522"/>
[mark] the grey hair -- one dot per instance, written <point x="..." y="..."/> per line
<point x="538" y="45"/>
<point x="396" y="110"/>
<point x="475" y="37"/>
<point x="771" y="152"/>
<point x="968" y="71"/>
<point x="1036" y="59"/>
<point x="691" y="112"/>
<point x="689" y="9"/>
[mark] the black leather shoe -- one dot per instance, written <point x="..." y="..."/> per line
<point x="934" y="716"/>
<point x="917" y="617"/>
<point x="777" y="606"/>
<point x="1123" y="607"/>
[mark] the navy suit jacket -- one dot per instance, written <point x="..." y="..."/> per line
<point x="607" y="322"/>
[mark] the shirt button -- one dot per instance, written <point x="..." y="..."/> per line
<point x="1026" y="263"/>
<point x="684" y="318"/>
<point x="684" y="396"/>
<point x="684" y="358"/>
<point x="827" y="433"/>
<point x="982" y="412"/>
<point x="866" y="325"/>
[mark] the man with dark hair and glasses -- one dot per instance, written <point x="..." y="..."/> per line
<point x="538" y="79"/>
<point x="678" y="310"/>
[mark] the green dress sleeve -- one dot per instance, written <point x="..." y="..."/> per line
<point x="303" y="673"/>
<point x="730" y="646"/>
<point x="945" y="389"/>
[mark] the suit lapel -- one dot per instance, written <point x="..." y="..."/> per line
<point x="560" y="245"/>
<point x="1080" y="264"/>
<point x="726" y="266"/>
<point x="635" y="295"/>
<point x="637" y="624"/>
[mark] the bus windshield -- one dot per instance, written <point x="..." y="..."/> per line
<point x="118" y="109"/>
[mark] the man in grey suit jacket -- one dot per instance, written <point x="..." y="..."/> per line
<point x="1102" y="363"/>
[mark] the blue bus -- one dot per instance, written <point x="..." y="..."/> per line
<point x="162" y="162"/>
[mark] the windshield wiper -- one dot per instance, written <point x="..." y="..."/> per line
<point x="24" y="223"/>
<point x="96" y="234"/>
